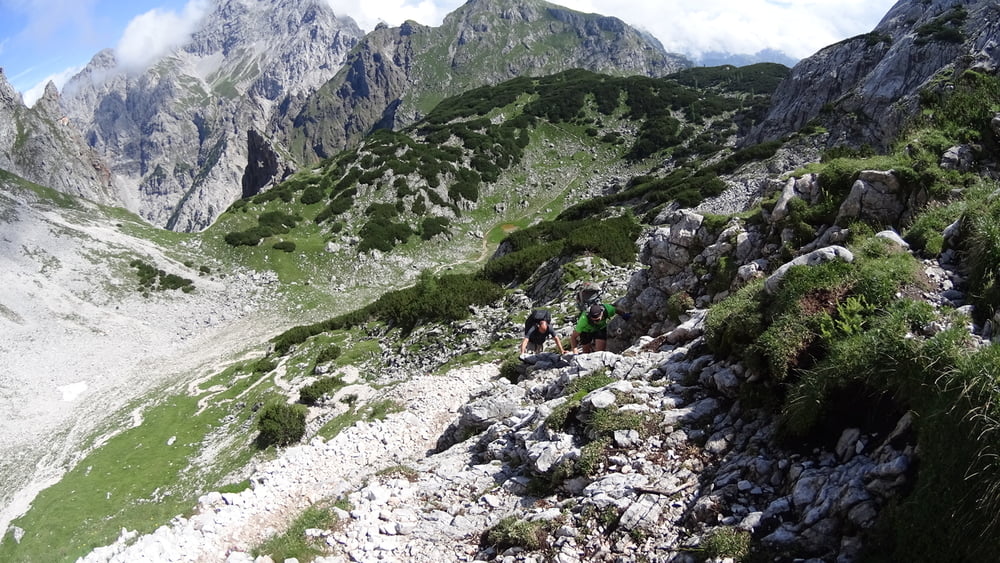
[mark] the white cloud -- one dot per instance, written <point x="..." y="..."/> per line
<point x="155" y="33"/>
<point x="31" y="95"/>
<point x="797" y="27"/>
<point x="368" y="13"/>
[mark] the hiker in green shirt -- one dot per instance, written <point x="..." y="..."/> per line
<point x="591" y="330"/>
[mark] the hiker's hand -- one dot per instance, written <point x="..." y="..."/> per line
<point x="627" y="316"/>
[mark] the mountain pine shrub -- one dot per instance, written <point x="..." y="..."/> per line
<point x="284" y="245"/>
<point x="328" y="354"/>
<point x="280" y="424"/>
<point x="313" y="392"/>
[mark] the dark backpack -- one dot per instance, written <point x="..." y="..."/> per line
<point x="537" y="316"/>
<point x="588" y="294"/>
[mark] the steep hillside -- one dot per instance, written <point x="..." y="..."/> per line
<point x="396" y="75"/>
<point x="812" y="377"/>
<point x="99" y="309"/>
<point x="337" y="237"/>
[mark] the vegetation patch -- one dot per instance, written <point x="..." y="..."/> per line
<point x="280" y="424"/>
<point x="154" y="279"/>
<point x="312" y="393"/>
<point x="513" y="532"/>
<point x="293" y="543"/>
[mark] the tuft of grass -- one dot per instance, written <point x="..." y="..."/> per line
<point x="604" y="422"/>
<point x="587" y="383"/>
<point x="512" y="532"/>
<point x="293" y="542"/>
<point x="401" y="471"/>
<point x="726" y="542"/>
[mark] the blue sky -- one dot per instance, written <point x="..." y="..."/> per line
<point x="42" y="40"/>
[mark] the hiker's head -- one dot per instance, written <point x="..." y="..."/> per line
<point x="543" y="325"/>
<point x="596" y="312"/>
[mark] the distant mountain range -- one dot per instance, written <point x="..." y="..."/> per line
<point x="266" y="88"/>
<point x="718" y="58"/>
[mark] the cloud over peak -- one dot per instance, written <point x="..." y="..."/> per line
<point x="155" y="33"/>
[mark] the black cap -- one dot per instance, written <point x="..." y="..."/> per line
<point x="596" y="311"/>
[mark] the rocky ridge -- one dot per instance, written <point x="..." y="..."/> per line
<point x="38" y="143"/>
<point x="873" y="81"/>
<point x="263" y="88"/>
<point x="224" y="84"/>
<point x="396" y="75"/>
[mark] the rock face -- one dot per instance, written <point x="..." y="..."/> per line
<point x="398" y="74"/>
<point x="205" y="125"/>
<point x="872" y="81"/>
<point x="39" y="145"/>
<point x="177" y="134"/>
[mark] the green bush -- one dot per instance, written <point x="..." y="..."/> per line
<point x="445" y="298"/>
<point x="280" y="424"/>
<point x="312" y="393"/>
<point x="382" y="234"/>
<point x="263" y="365"/>
<point x="242" y="238"/>
<point x="678" y="304"/>
<point x="311" y="195"/>
<point x="285" y="245"/>
<point x="328" y="354"/>
<point x="151" y="278"/>
<point x="433" y="226"/>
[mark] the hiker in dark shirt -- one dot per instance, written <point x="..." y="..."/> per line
<point x="536" y="335"/>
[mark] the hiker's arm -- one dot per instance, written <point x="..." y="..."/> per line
<point x="524" y="344"/>
<point x="559" y="344"/>
<point x="573" y="339"/>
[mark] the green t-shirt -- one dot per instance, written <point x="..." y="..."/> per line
<point x="583" y="324"/>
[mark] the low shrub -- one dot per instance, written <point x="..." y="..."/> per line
<point x="285" y="245"/>
<point x="311" y="195"/>
<point x="328" y="354"/>
<point x="263" y="365"/>
<point x="280" y="424"/>
<point x="433" y="226"/>
<point x="312" y="393"/>
<point x="151" y="278"/>
<point x="678" y="304"/>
